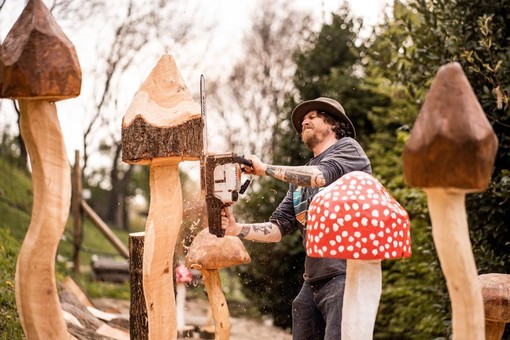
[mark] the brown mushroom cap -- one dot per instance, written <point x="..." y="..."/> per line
<point x="210" y="252"/>
<point x="37" y="60"/>
<point x="452" y="144"/>
<point x="496" y="296"/>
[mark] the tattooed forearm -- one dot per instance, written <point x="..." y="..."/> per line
<point x="256" y="228"/>
<point x="306" y="176"/>
<point x="244" y="231"/>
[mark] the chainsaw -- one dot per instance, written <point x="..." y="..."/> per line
<point x="220" y="177"/>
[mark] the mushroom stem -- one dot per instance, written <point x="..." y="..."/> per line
<point x="161" y="230"/>
<point x="451" y="238"/>
<point x="363" y="286"/>
<point x="218" y="304"/>
<point x="36" y="290"/>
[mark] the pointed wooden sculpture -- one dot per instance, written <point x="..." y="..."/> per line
<point x="451" y="152"/>
<point x="38" y="65"/>
<point x="161" y="128"/>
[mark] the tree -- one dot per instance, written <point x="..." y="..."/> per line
<point x="405" y="55"/>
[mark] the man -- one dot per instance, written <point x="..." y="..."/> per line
<point x="329" y="134"/>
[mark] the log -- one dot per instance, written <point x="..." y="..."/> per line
<point x="109" y="269"/>
<point x="39" y="65"/>
<point x="138" y="325"/>
<point x="161" y="128"/>
<point x="76" y="211"/>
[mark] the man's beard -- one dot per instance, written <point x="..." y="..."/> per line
<point x="311" y="140"/>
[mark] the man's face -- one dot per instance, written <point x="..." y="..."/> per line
<point x="314" y="129"/>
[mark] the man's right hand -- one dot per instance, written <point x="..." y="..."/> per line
<point x="258" y="167"/>
<point x="229" y="223"/>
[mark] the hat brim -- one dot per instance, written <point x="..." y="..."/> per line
<point x="303" y="108"/>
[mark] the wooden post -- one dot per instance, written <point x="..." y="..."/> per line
<point x="38" y="66"/>
<point x="138" y="324"/>
<point x="103" y="227"/>
<point x="450" y="153"/>
<point x="161" y="128"/>
<point x="76" y="210"/>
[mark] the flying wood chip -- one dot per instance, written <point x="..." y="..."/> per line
<point x="37" y="60"/>
<point x="162" y="120"/>
<point x="452" y="144"/>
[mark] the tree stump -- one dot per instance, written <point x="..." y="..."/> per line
<point x="138" y="325"/>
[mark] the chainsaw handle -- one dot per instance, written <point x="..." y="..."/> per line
<point x="243" y="161"/>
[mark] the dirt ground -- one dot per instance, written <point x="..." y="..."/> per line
<point x="198" y="314"/>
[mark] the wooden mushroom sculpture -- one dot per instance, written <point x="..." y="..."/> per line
<point x="356" y="219"/>
<point x="209" y="254"/>
<point x="161" y="128"/>
<point x="38" y="66"/>
<point x="451" y="152"/>
<point x="496" y="300"/>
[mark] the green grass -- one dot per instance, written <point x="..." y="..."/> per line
<point x="10" y="327"/>
<point x="15" y="212"/>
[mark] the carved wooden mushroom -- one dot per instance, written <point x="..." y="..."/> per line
<point x="356" y="219"/>
<point x="451" y="152"/>
<point x="38" y="66"/>
<point x="496" y="299"/>
<point x="209" y="254"/>
<point x="161" y="128"/>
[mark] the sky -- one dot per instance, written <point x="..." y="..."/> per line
<point x="232" y="17"/>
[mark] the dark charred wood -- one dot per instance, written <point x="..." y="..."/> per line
<point x="142" y="142"/>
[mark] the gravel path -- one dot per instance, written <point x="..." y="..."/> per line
<point x="198" y="314"/>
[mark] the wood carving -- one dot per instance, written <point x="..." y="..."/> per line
<point x="209" y="254"/>
<point x="37" y="59"/>
<point x="162" y="127"/>
<point x="451" y="152"/>
<point x="496" y="299"/>
<point x="39" y="65"/>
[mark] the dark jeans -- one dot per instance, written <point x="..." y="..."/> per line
<point x="317" y="310"/>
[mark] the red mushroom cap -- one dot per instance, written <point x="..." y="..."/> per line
<point x="356" y="218"/>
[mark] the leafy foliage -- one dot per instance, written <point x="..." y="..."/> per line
<point x="407" y="52"/>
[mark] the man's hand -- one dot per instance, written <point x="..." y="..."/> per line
<point x="229" y="223"/>
<point x="258" y="167"/>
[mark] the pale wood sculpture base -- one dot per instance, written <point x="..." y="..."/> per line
<point x="363" y="286"/>
<point x="36" y="290"/>
<point x="218" y="303"/>
<point x="447" y="209"/>
<point x="162" y="228"/>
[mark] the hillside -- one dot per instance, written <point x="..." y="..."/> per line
<point x="15" y="206"/>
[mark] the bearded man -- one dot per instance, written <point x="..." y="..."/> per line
<point x="330" y="135"/>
